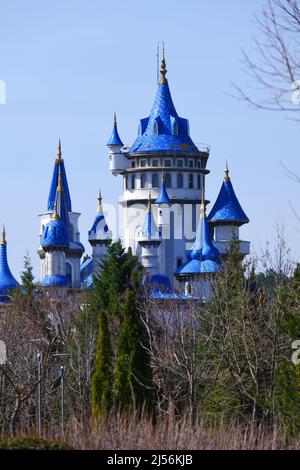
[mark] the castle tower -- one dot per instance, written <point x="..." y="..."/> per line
<point x="149" y="240"/>
<point x="7" y="281"/>
<point x="59" y="193"/>
<point x="163" y="145"/>
<point x="99" y="236"/>
<point x="55" y="243"/>
<point x="226" y="217"/>
<point x="203" y="261"/>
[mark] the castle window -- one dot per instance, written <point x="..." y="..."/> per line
<point x="179" y="163"/>
<point x="168" y="180"/>
<point x="178" y="263"/>
<point x="132" y="181"/>
<point x="167" y="162"/>
<point x="199" y="164"/>
<point x="126" y="182"/>
<point x="191" y="181"/>
<point x="69" y="272"/>
<point x="191" y="163"/>
<point x="132" y="164"/>
<point x="143" y="180"/>
<point x="154" y="162"/>
<point x="155" y="128"/>
<point x="188" y="288"/>
<point x="179" y="180"/>
<point x="199" y="181"/>
<point x="143" y="163"/>
<point x="155" y="180"/>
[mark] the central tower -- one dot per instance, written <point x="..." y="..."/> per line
<point x="162" y="151"/>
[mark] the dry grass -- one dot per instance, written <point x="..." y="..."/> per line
<point x="134" y="433"/>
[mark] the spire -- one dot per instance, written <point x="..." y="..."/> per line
<point x="3" y="240"/>
<point x="59" y="182"/>
<point x="59" y="167"/>
<point x="226" y="173"/>
<point x="149" y="202"/>
<point x="115" y="138"/>
<point x="163" y="197"/>
<point x="163" y="68"/>
<point x="227" y="209"/>
<point x="202" y="205"/>
<point x="99" y="208"/>
<point x="55" y="215"/>
<point x="59" y="159"/>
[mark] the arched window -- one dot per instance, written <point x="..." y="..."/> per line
<point x="178" y="263"/>
<point x="191" y="181"/>
<point x="132" y="181"/>
<point x="143" y="180"/>
<point x="69" y="272"/>
<point x="155" y="180"/>
<point x="168" y="180"/>
<point x="188" y="288"/>
<point x="179" y="180"/>
<point x="126" y="182"/>
<point x="199" y="181"/>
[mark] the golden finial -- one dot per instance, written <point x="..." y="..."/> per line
<point x="202" y="205"/>
<point x="163" y="68"/>
<point x="55" y="215"/>
<point x="162" y="177"/>
<point x="3" y="241"/>
<point x="59" y="159"/>
<point x="149" y="202"/>
<point x="99" y="209"/>
<point x="226" y="175"/>
<point x="59" y="182"/>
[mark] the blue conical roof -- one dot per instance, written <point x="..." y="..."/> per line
<point x="149" y="228"/>
<point x="7" y="281"/>
<point x="163" y="129"/>
<point x="163" y="197"/>
<point x="59" y="167"/>
<point x="204" y="257"/>
<point x="55" y="235"/>
<point x="115" y="138"/>
<point x="99" y="229"/>
<point x="227" y="208"/>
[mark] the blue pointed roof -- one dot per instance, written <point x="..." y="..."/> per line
<point x="115" y="138"/>
<point x="99" y="230"/>
<point x="59" y="167"/>
<point x="163" y="129"/>
<point x="204" y="257"/>
<point x="7" y="281"/>
<point x="227" y="207"/>
<point x="149" y="228"/>
<point x="55" y="280"/>
<point x="163" y="197"/>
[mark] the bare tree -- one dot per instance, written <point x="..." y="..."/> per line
<point x="275" y="72"/>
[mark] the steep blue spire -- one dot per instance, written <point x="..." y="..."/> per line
<point x="204" y="257"/>
<point x="7" y="282"/>
<point x="99" y="231"/>
<point x="163" y="129"/>
<point x="115" y="138"/>
<point x="163" y="197"/>
<point x="227" y="208"/>
<point x="149" y="229"/>
<point x="59" y="167"/>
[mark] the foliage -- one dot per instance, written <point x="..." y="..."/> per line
<point x="27" y="276"/>
<point x="31" y="443"/>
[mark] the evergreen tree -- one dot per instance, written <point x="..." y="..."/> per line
<point x="133" y="375"/>
<point x="27" y="276"/>
<point x="102" y="378"/>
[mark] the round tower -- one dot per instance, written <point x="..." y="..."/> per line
<point x="149" y="240"/>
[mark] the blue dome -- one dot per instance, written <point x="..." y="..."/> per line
<point x="196" y="266"/>
<point x="159" y="282"/>
<point x="227" y="208"/>
<point x="55" y="280"/>
<point x="55" y="235"/>
<point x="7" y="282"/>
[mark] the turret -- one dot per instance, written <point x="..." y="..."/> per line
<point x="149" y="240"/>
<point x="117" y="159"/>
<point x="203" y="261"/>
<point x="226" y="217"/>
<point x="99" y="236"/>
<point x="7" y="281"/>
<point x="55" y="243"/>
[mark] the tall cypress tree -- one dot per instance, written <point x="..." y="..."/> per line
<point x="133" y="375"/>
<point x="102" y="377"/>
<point x="27" y="276"/>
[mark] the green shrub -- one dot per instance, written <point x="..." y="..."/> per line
<point x="31" y="443"/>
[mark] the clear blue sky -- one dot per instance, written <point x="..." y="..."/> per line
<point x="69" y="64"/>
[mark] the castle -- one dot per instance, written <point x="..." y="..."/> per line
<point x="164" y="174"/>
